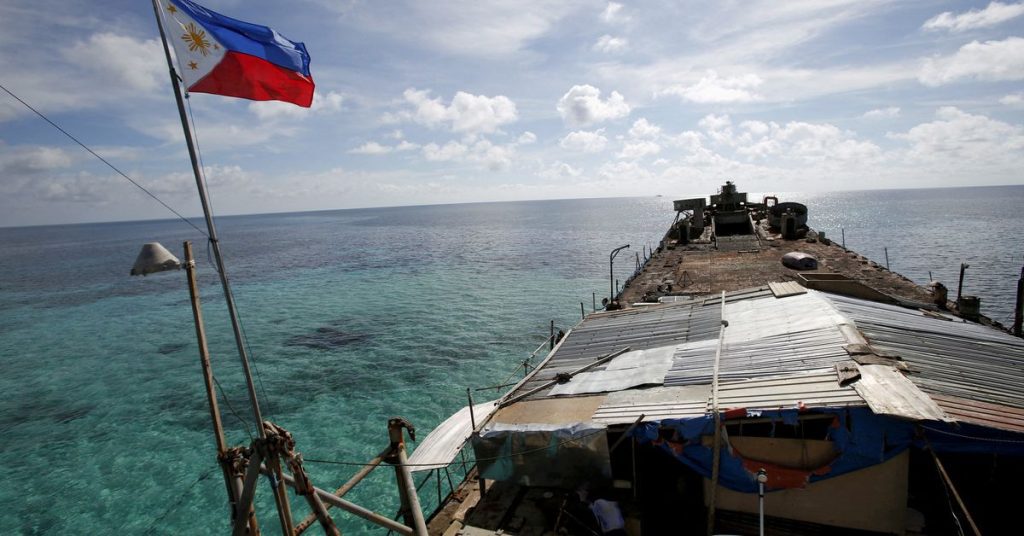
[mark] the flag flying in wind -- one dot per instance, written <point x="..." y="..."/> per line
<point x="224" y="56"/>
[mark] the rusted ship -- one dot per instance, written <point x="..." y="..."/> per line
<point x="753" y="376"/>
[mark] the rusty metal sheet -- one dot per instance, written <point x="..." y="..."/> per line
<point x="981" y="413"/>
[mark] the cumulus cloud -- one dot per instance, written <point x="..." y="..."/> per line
<point x="882" y="113"/>
<point x="582" y="106"/>
<point x="527" y="138"/>
<point x="642" y="129"/>
<point x="449" y="151"/>
<point x="560" y="170"/>
<point x="136" y="64"/>
<point x="467" y="113"/>
<point x="585" y="141"/>
<point x="639" y="149"/>
<point x="958" y="135"/>
<point x="483" y="152"/>
<point x="610" y="45"/>
<point x="991" y="61"/>
<point x="323" y="103"/>
<point x="995" y="13"/>
<point x="712" y="89"/>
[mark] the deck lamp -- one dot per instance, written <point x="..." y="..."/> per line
<point x="154" y="258"/>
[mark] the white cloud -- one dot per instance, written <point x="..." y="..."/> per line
<point x="611" y="45"/>
<point x="712" y="89"/>
<point x="406" y="146"/>
<point x="21" y="161"/>
<point x="639" y="149"/>
<point x="624" y="172"/>
<point x="471" y="114"/>
<point x="582" y="106"/>
<point x="882" y="113"/>
<point x="273" y="110"/>
<point x="612" y="13"/>
<point x="1013" y="99"/>
<point x="995" y="13"/>
<point x="958" y="136"/>
<point x="372" y="148"/>
<point x="990" y="61"/>
<point x="527" y="138"/>
<point x="642" y="129"/>
<point x="484" y="152"/>
<point x="560" y="171"/>
<point x="139" y="65"/>
<point x="450" y="151"/>
<point x="493" y="157"/>
<point x="585" y="141"/>
<point x="718" y="127"/>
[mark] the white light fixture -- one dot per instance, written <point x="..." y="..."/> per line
<point x="154" y="258"/>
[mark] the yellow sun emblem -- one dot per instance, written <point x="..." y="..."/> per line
<point x="196" y="39"/>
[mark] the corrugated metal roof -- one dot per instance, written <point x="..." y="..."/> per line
<point x="766" y="336"/>
<point x="974" y="412"/>
<point x="955" y="359"/>
<point x="654" y="404"/>
<point x="778" y="352"/>
<point x="818" y="388"/>
<point x="638" y="329"/>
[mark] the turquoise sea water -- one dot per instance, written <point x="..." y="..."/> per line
<point x="353" y="317"/>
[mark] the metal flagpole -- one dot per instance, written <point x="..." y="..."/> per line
<point x="229" y="298"/>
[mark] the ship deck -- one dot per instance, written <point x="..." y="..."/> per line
<point x="738" y="262"/>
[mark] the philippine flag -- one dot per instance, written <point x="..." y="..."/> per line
<point x="224" y="56"/>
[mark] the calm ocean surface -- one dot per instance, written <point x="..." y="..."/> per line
<point x="353" y="317"/>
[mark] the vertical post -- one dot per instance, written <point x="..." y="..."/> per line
<point x="960" y="286"/>
<point x="411" y="510"/>
<point x="1018" y="310"/>
<point x="211" y="396"/>
<point x="843" y="230"/>
<point x="472" y="423"/>
<point x="717" y="445"/>
<point x="551" y="339"/>
<point x="212" y="233"/>
<point x="593" y="296"/>
<point x="886" y="258"/>
<point x="762" y="477"/>
<point x="583" y="314"/>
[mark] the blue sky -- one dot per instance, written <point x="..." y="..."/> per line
<point x="457" y="101"/>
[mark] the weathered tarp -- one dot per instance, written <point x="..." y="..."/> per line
<point x="860" y="438"/>
<point x="543" y="454"/>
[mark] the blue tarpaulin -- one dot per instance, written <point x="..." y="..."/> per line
<point x="860" y="439"/>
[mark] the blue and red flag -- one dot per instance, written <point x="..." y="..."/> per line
<point x="224" y="56"/>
